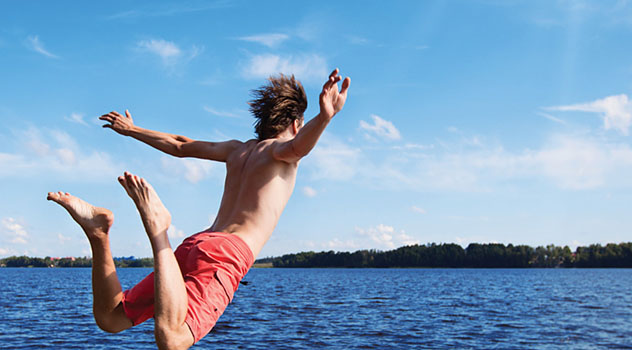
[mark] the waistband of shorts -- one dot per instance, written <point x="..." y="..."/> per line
<point x="240" y="245"/>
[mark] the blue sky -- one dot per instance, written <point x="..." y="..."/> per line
<point x="467" y="121"/>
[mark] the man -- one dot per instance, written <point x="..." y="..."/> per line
<point x="190" y="288"/>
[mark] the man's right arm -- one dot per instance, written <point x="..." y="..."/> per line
<point x="175" y="145"/>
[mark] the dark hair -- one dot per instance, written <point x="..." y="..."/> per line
<point x="276" y="105"/>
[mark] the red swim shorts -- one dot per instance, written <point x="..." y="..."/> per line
<point x="212" y="264"/>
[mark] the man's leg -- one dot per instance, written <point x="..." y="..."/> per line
<point x="171" y="302"/>
<point x="106" y="289"/>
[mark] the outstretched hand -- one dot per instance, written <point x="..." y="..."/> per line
<point x="122" y="124"/>
<point x="332" y="100"/>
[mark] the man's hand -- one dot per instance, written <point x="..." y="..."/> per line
<point x="332" y="100"/>
<point x="119" y="123"/>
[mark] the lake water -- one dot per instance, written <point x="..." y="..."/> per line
<point x="349" y="309"/>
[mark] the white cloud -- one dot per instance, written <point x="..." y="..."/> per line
<point x="386" y="237"/>
<point x="167" y="50"/>
<point x="14" y="231"/>
<point x="220" y="113"/>
<point x="63" y="239"/>
<point x="76" y="118"/>
<point x="616" y="111"/>
<point x="174" y="232"/>
<point x="552" y="118"/>
<point x="193" y="170"/>
<point x="338" y="245"/>
<point x="381" y="128"/>
<point x="418" y="210"/>
<point x="169" y="53"/>
<point x="54" y="152"/>
<point x="270" y="40"/>
<point x="333" y="159"/>
<point x="413" y="146"/>
<point x="7" y="252"/>
<point x="36" y="45"/>
<point x="156" y="10"/>
<point x="309" y="192"/>
<point x="567" y="161"/>
<point x="358" y="40"/>
<point x="305" y="67"/>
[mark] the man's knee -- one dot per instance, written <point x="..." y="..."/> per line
<point x="173" y="337"/>
<point x="114" y="321"/>
<point x="108" y="325"/>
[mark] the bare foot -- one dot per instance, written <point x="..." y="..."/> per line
<point x="155" y="216"/>
<point x="95" y="221"/>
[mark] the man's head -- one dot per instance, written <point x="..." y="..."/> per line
<point x="277" y="105"/>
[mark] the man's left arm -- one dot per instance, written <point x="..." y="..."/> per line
<point x="331" y="102"/>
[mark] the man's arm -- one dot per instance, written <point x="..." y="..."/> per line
<point x="331" y="102"/>
<point x="175" y="145"/>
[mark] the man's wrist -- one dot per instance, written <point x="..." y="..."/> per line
<point x="324" y="117"/>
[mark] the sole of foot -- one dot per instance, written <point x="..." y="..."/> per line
<point x="156" y="218"/>
<point x="95" y="221"/>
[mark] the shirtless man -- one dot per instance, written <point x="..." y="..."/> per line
<point x="190" y="288"/>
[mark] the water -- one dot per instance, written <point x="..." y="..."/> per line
<point x="349" y="309"/>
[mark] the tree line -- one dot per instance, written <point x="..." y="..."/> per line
<point x="476" y="255"/>
<point x="25" y="261"/>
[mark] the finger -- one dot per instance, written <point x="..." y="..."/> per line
<point x="334" y="73"/>
<point x="330" y="82"/>
<point x="127" y="114"/>
<point x="117" y="114"/>
<point x="107" y="126"/>
<point x="107" y="118"/>
<point x="345" y="86"/>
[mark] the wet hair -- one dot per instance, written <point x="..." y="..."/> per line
<point x="277" y="105"/>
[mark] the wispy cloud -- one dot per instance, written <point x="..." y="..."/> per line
<point x="55" y="152"/>
<point x="418" y="210"/>
<point x="34" y="43"/>
<point x="270" y="40"/>
<point x="76" y="118"/>
<point x="220" y="113"/>
<point x="381" y="128"/>
<point x="174" y="232"/>
<point x="14" y="231"/>
<point x="616" y="111"/>
<point x="357" y="40"/>
<point x="567" y="161"/>
<point x="169" y="10"/>
<point x="169" y="52"/>
<point x="193" y="170"/>
<point x="63" y="239"/>
<point x="552" y="118"/>
<point x="386" y="237"/>
<point x="309" y="191"/>
<point x="307" y="67"/>
<point x="333" y="159"/>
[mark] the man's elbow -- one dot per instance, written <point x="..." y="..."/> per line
<point x="178" y="150"/>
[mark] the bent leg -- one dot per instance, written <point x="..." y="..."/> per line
<point x="106" y="289"/>
<point x="171" y="302"/>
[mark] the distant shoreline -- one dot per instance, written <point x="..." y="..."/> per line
<point x="432" y="255"/>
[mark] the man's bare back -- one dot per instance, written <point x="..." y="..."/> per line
<point x="256" y="190"/>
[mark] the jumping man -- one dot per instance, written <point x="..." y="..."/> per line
<point x="191" y="286"/>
